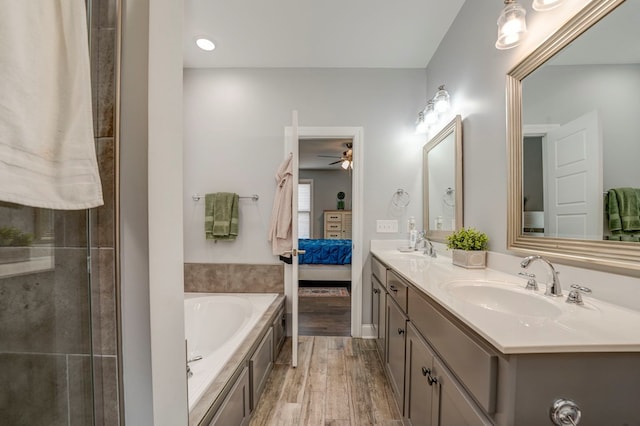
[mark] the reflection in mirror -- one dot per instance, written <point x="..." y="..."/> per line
<point x="26" y="239"/>
<point x="572" y="128"/>
<point x="443" y="182"/>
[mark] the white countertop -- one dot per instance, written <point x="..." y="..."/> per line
<point x="596" y="326"/>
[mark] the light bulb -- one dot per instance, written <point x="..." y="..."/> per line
<point x="345" y="164"/>
<point x="512" y="26"/>
<point x="441" y="100"/>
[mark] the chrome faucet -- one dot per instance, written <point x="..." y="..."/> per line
<point x="553" y="288"/>
<point x="429" y="250"/>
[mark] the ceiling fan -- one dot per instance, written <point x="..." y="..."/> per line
<point x="346" y="160"/>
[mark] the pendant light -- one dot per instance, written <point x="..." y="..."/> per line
<point x="512" y="26"/>
<point x="544" y="5"/>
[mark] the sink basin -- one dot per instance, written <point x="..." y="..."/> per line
<point x="503" y="298"/>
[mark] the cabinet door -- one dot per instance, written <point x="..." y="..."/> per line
<point x="396" y="335"/>
<point x="375" y="306"/>
<point x="279" y="332"/>
<point x="261" y="364"/>
<point x="235" y="408"/>
<point x="454" y="405"/>
<point x="382" y="325"/>
<point x="419" y="389"/>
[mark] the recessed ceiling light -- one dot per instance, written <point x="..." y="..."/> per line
<point x="205" y="44"/>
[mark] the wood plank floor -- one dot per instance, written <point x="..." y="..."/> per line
<point x="339" y="381"/>
<point x="324" y="316"/>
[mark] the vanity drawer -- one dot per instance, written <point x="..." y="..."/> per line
<point x="335" y="235"/>
<point x="333" y="217"/>
<point x="475" y="365"/>
<point x="379" y="270"/>
<point x="397" y="289"/>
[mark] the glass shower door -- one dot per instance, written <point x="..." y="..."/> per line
<point x="46" y="355"/>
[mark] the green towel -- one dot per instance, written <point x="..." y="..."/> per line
<point x="221" y="216"/>
<point x="626" y="216"/>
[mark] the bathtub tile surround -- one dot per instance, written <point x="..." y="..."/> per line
<point x="238" y="360"/>
<point x="233" y="278"/>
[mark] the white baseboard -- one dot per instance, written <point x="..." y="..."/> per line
<point x="368" y="331"/>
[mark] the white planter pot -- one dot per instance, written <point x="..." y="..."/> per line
<point x="470" y="259"/>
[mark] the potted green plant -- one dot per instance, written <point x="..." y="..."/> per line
<point x="469" y="248"/>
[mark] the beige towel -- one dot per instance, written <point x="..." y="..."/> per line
<point x="280" y="232"/>
<point x="47" y="150"/>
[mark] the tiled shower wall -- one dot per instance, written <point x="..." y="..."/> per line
<point x="49" y="321"/>
<point x="103" y="255"/>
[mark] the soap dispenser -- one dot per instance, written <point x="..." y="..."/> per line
<point x="413" y="233"/>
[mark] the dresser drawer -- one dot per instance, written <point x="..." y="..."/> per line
<point x="473" y="362"/>
<point x="379" y="271"/>
<point x="333" y="226"/>
<point x="333" y="217"/>
<point x="397" y="290"/>
<point x="333" y="235"/>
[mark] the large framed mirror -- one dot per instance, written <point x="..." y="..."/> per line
<point x="572" y="131"/>
<point x="442" y="182"/>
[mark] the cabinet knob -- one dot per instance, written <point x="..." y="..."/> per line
<point x="400" y="331"/>
<point x="376" y="291"/>
<point x="393" y="288"/>
<point x="425" y="371"/>
<point x="432" y="380"/>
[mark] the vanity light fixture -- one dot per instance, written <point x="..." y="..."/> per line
<point x="205" y="44"/>
<point x="421" y="125"/>
<point x="430" y="114"/>
<point x="512" y="25"/>
<point x="544" y="5"/>
<point x="441" y="101"/>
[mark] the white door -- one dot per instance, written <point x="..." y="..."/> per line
<point x="291" y="146"/>
<point x="572" y="157"/>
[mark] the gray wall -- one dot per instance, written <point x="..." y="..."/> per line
<point x="234" y="141"/>
<point x="474" y="73"/>
<point x="326" y="185"/>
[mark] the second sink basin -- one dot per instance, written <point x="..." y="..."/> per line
<point x="507" y="299"/>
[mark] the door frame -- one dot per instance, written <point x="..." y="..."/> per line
<point x="356" y="134"/>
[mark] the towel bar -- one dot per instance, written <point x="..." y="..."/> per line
<point x="254" y="197"/>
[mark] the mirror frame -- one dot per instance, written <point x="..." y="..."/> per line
<point x="594" y="254"/>
<point x="455" y="127"/>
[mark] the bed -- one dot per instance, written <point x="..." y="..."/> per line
<point x="324" y="260"/>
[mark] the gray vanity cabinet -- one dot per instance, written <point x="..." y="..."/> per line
<point x="379" y="305"/>
<point x="378" y="311"/>
<point x="396" y="335"/>
<point x="432" y="395"/>
<point x="235" y="409"/>
<point x="419" y="406"/>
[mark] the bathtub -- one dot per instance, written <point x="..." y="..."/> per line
<point x="215" y="326"/>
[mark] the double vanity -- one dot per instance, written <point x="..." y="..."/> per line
<point x="474" y="347"/>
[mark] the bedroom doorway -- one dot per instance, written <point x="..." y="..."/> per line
<point x="325" y="233"/>
<point x="330" y="295"/>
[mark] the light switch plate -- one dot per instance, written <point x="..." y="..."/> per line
<point x="386" y="226"/>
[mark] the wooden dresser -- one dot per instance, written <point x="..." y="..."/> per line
<point x="337" y="224"/>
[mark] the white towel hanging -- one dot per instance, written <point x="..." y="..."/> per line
<point x="47" y="149"/>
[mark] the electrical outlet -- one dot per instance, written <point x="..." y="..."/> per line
<point x="386" y="226"/>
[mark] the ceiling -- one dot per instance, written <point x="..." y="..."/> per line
<point x="316" y="154"/>
<point x="316" y="34"/>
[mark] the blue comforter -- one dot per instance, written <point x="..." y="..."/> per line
<point x="325" y="252"/>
